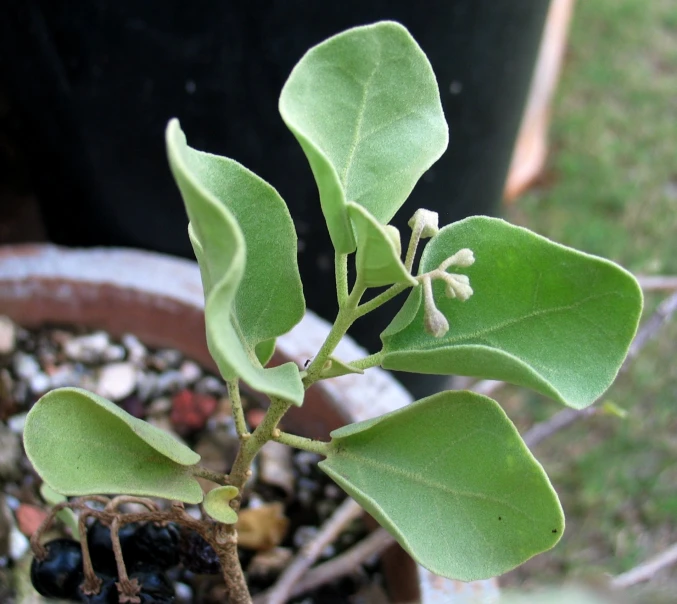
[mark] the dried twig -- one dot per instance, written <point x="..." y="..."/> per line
<point x="657" y="283"/>
<point x="567" y="417"/>
<point x="646" y="570"/>
<point x="372" y="545"/>
<point x="348" y="511"/>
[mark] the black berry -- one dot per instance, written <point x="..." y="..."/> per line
<point x="101" y="546"/>
<point x="60" y="573"/>
<point x="197" y="555"/>
<point x="154" y="585"/>
<point x="156" y="547"/>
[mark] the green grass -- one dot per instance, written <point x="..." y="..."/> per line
<point x="611" y="189"/>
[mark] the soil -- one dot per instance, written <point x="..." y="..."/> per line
<point x="177" y="395"/>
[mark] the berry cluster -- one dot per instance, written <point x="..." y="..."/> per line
<point x="148" y="550"/>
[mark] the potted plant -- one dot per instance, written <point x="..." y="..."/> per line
<point x="448" y="475"/>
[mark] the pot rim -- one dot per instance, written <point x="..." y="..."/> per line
<point x="31" y="271"/>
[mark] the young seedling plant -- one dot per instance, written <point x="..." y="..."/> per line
<point x="449" y="475"/>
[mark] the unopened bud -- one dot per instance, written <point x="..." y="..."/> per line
<point x="425" y="220"/>
<point x="435" y="322"/>
<point x="458" y="286"/>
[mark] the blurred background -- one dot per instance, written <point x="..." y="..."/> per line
<point x="583" y="153"/>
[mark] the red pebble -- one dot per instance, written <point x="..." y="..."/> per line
<point x="255" y="417"/>
<point x="190" y="410"/>
<point x="29" y="518"/>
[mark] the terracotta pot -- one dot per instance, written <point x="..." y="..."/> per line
<point x="159" y="299"/>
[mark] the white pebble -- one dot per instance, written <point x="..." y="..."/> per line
<point x="40" y="383"/>
<point x="114" y="352"/>
<point x="25" y="366"/>
<point x="87" y="349"/>
<point x="65" y="375"/>
<point x="18" y="544"/>
<point x="7" y="335"/>
<point x="183" y="592"/>
<point x="190" y="371"/>
<point x="117" y="381"/>
<point x="17" y="422"/>
<point x="137" y="351"/>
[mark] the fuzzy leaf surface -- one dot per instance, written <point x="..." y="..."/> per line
<point x="377" y="261"/>
<point x="542" y="315"/>
<point x="245" y="244"/>
<point x="452" y="481"/>
<point x="82" y="444"/>
<point x="217" y="504"/>
<point x="366" y="109"/>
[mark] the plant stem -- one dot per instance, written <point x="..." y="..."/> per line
<point x="369" y="361"/>
<point x="236" y="406"/>
<point x="341" y="270"/>
<point x="306" y="444"/>
<point x="206" y="473"/>
<point x="413" y="244"/>
<point x="344" y="319"/>
<point x="381" y="299"/>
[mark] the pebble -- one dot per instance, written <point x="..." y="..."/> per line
<point x="305" y="461"/>
<point x="190" y="371"/>
<point x="40" y="383"/>
<point x="25" y="366"/>
<point x="136" y="350"/>
<point x="211" y="385"/>
<point x="303" y="535"/>
<point x="146" y="385"/>
<point x="29" y="518"/>
<point x="191" y="410"/>
<point x="7" y="335"/>
<point x="65" y="375"/>
<point x="170" y="381"/>
<point x="184" y="593"/>
<point x="18" y="544"/>
<point x="159" y="407"/>
<point x="17" y="422"/>
<point x="87" y="349"/>
<point x="10" y="454"/>
<point x="117" y="381"/>
<point x="113" y="353"/>
<point x="164" y="359"/>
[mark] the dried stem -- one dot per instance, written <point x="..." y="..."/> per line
<point x="345" y="564"/>
<point x="646" y="570"/>
<point x="348" y="511"/>
<point x="567" y="417"/>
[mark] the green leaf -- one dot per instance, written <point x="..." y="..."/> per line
<point x="217" y="504"/>
<point x="82" y="444"/>
<point x="365" y="107"/>
<point x="542" y="315"/>
<point x="66" y="515"/>
<point x="377" y="260"/>
<point x="452" y="481"/>
<point x="265" y="351"/>
<point x="253" y="290"/>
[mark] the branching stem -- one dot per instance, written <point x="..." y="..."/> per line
<point x="300" y="442"/>
<point x="236" y="406"/>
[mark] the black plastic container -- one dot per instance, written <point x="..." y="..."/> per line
<point x="91" y="86"/>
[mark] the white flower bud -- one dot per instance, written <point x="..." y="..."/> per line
<point x="458" y="286"/>
<point x="427" y="221"/>
<point x="463" y="258"/>
<point x="435" y="322"/>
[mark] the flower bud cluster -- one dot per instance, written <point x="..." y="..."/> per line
<point x="456" y="286"/>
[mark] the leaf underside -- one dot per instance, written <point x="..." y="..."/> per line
<point x="386" y="125"/>
<point x="542" y="315"/>
<point x="253" y="291"/>
<point x="82" y="444"/>
<point x="452" y="481"/>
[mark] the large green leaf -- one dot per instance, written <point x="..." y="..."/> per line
<point x="377" y="261"/>
<point x="252" y="287"/>
<point x="542" y="315"/>
<point x="452" y="481"/>
<point x="82" y="444"/>
<point x="365" y="107"/>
